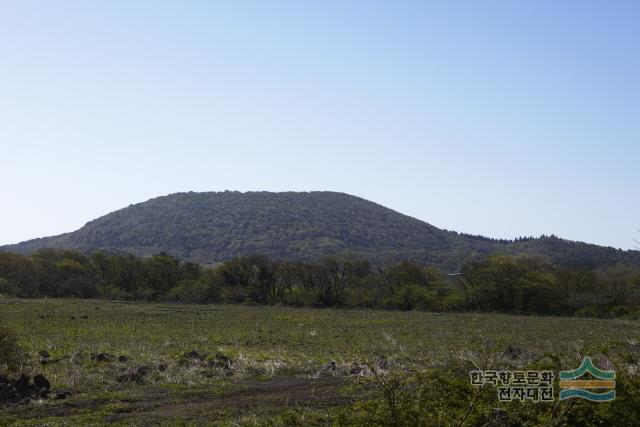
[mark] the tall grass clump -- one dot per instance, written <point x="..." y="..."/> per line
<point x="443" y="396"/>
<point x="9" y="350"/>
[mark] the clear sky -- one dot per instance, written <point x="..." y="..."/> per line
<point x="501" y="118"/>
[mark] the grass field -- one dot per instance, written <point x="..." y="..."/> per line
<point x="250" y="365"/>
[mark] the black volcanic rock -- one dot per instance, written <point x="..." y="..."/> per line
<point x="21" y="389"/>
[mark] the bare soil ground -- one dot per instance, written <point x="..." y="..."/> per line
<point x="158" y="407"/>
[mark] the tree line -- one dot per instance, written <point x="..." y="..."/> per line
<point x="500" y="283"/>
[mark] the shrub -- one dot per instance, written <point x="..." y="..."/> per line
<point x="587" y="312"/>
<point x="9" y="350"/>
<point x="188" y="291"/>
<point x="619" y="311"/>
<point x="113" y="292"/>
<point x="298" y="298"/>
<point x="443" y="396"/>
<point x="6" y="287"/>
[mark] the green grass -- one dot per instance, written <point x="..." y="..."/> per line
<point x="264" y="343"/>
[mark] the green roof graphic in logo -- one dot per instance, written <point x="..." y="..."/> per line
<point x="580" y="388"/>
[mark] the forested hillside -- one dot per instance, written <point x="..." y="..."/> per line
<point x="212" y="227"/>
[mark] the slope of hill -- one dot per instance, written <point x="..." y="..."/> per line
<point x="214" y="226"/>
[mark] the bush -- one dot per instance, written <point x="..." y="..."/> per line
<point x="298" y="298"/>
<point x="9" y="350"/>
<point x="113" y="292"/>
<point x="190" y="291"/>
<point x="619" y="311"/>
<point x="412" y="297"/>
<point x="437" y="397"/>
<point x="443" y="396"/>
<point x="7" y="288"/>
<point x="587" y="312"/>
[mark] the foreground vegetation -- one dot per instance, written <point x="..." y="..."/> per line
<point x="500" y="283"/>
<point x="131" y="363"/>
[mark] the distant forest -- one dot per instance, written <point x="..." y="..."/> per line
<point x="207" y="228"/>
<point x="500" y="283"/>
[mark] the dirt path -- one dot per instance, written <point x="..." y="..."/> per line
<point x="277" y="393"/>
<point x="158" y="407"/>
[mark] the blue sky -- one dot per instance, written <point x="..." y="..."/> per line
<point x="497" y="118"/>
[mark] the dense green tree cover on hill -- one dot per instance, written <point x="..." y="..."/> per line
<point x="213" y="227"/>
<point x="499" y="283"/>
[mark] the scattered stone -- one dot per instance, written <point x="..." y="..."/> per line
<point x="208" y="374"/>
<point x="382" y="363"/>
<point x="22" y="384"/>
<point x="63" y="394"/>
<point x="330" y="367"/>
<point x="220" y="361"/>
<point x="46" y="361"/>
<point x="102" y="357"/>
<point x="512" y="352"/>
<point x="41" y="382"/>
<point x="5" y="393"/>
<point x="116" y="417"/>
<point x="135" y="376"/>
<point x="256" y="370"/>
<point x="356" y="370"/>
<point x="22" y="390"/>
<point x="194" y="355"/>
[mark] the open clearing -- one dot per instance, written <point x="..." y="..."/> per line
<point x="247" y="365"/>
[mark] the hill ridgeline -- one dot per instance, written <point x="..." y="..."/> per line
<point x="215" y="226"/>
